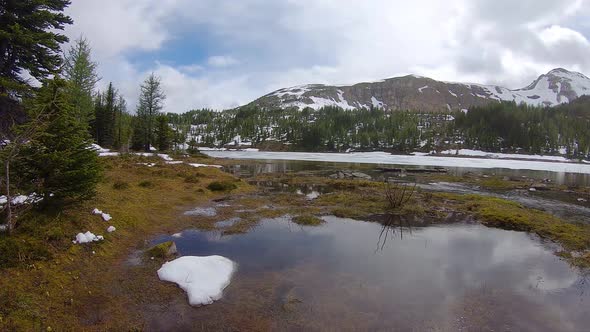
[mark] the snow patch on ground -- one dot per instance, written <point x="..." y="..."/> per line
<point x="111" y="229"/>
<point x="106" y="217"/>
<point x="87" y="237"/>
<point x="204" y="165"/>
<point x="202" y="278"/>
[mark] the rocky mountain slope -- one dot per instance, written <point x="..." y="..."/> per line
<point x="421" y="93"/>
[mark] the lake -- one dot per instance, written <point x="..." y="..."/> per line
<point x="355" y="275"/>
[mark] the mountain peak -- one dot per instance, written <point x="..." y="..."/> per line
<point x="414" y="92"/>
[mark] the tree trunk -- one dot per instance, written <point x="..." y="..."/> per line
<point x="8" y="199"/>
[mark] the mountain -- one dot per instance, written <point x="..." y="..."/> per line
<point x="421" y="93"/>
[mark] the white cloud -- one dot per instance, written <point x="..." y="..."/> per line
<point x="284" y="43"/>
<point x="222" y="61"/>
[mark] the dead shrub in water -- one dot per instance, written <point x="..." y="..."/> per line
<point x="398" y="195"/>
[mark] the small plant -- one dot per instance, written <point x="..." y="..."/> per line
<point x="308" y="220"/>
<point x="120" y="185"/>
<point x="398" y="195"/>
<point x="222" y="186"/>
<point x="146" y="184"/>
<point x="191" y="178"/>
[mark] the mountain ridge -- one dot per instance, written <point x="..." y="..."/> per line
<point x="415" y="92"/>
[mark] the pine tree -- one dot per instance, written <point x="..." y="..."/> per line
<point x="29" y="41"/>
<point x="60" y="160"/>
<point x="163" y="133"/>
<point x="151" y="102"/>
<point x="80" y="72"/>
<point x="105" y="109"/>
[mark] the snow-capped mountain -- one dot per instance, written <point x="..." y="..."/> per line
<point x="422" y="93"/>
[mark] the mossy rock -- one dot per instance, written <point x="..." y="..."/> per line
<point x="308" y="220"/>
<point x="162" y="250"/>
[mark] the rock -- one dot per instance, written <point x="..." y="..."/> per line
<point x="360" y="175"/>
<point x="540" y="186"/>
<point x="582" y="200"/>
<point x="532" y="189"/>
<point x="163" y="250"/>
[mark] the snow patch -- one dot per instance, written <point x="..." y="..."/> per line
<point x="87" y="237"/>
<point x="202" y="278"/>
<point x="204" y="165"/>
<point x="111" y="229"/>
<point x="478" y="153"/>
<point x="106" y="217"/>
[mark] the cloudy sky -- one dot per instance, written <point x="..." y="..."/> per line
<point x="223" y="53"/>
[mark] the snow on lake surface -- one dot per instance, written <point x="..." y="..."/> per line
<point x="493" y="155"/>
<point x="386" y="158"/>
<point x="202" y="278"/>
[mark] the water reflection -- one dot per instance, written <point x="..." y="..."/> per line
<point x="446" y="277"/>
<point x="252" y="168"/>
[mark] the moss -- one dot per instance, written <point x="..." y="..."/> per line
<point x="162" y="250"/>
<point x="500" y="213"/>
<point x="222" y="186"/>
<point x="120" y="185"/>
<point x="413" y="208"/>
<point x="308" y="220"/>
<point x="191" y="178"/>
<point x="14" y="251"/>
<point x="348" y="213"/>
<point x="146" y="184"/>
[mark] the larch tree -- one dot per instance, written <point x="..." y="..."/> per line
<point x="151" y="102"/>
<point x="81" y="73"/>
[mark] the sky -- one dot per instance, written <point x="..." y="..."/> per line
<point x="224" y="53"/>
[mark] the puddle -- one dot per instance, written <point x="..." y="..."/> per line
<point x="203" y="212"/>
<point x="354" y="275"/>
<point x="227" y="223"/>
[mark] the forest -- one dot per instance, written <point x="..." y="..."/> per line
<point x="498" y="127"/>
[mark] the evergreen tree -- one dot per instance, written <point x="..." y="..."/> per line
<point x="29" y="42"/>
<point x="60" y="160"/>
<point x="80" y="71"/>
<point x="105" y="108"/>
<point x="122" y="125"/>
<point x="163" y="133"/>
<point x="151" y="102"/>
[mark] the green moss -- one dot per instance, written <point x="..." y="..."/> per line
<point x="308" y="220"/>
<point x="162" y="250"/>
<point x="14" y="252"/>
<point x="348" y="213"/>
<point x="500" y="213"/>
<point x="222" y="186"/>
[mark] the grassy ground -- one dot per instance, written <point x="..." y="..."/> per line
<point x="56" y="285"/>
<point x="78" y="287"/>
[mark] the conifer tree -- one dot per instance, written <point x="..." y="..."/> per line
<point x="151" y="102"/>
<point x="30" y="41"/>
<point x="163" y="133"/>
<point x="80" y="72"/>
<point x="60" y="160"/>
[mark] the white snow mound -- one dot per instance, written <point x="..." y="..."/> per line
<point x="87" y="238"/>
<point x="106" y="217"/>
<point x="202" y="278"/>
